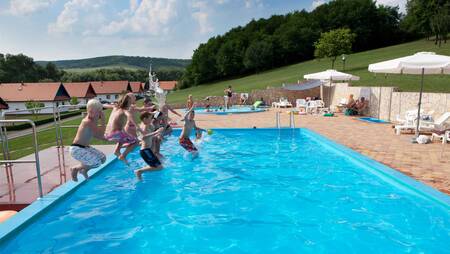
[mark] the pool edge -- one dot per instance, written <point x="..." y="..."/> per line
<point x="393" y="174"/>
<point x="31" y="212"/>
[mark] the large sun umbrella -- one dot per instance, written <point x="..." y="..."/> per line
<point x="330" y="76"/>
<point x="422" y="63"/>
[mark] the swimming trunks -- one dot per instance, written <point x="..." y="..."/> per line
<point x="186" y="143"/>
<point x="121" y="137"/>
<point x="88" y="156"/>
<point x="150" y="158"/>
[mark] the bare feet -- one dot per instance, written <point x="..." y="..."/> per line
<point x="138" y="174"/>
<point x="117" y="154"/>
<point x="84" y="173"/>
<point x="122" y="158"/>
<point x="74" y="174"/>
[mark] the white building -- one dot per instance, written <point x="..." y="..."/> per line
<point x="17" y="94"/>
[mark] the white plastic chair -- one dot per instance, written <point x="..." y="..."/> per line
<point x="301" y="104"/>
<point x="315" y="106"/>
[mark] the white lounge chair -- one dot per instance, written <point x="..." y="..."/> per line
<point x="283" y="103"/>
<point x="315" y="107"/>
<point x="439" y="124"/>
<point x="410" y="121"/>
<point x="445" y="136"/>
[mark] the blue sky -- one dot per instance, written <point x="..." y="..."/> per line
<point x="73" y="29"/>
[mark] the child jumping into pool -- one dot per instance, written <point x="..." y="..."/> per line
<point x="115" y="131"/>
<point x="149" y="132"/>
<point x="189" y="124"/>
<point x="80" y="150"/>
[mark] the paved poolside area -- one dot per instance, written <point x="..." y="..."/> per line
<point x="427" y="163"/>
<point x="25" y="188"/>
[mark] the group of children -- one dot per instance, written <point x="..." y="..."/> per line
<point x="122" y="128"/>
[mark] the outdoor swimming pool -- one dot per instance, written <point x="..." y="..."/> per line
<point x="232" y="110"/>
<point x="249" y="191"/>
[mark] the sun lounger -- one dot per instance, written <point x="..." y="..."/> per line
<point x="283" y="103"/>
<point x="409" y="122"/>
<point x="441" y="123"/>
<point x="314" y="107"/>
<point x="442" y="135"/>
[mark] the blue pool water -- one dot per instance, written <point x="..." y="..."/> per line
<point x="372" y="120"/>
<point x="249" y="191"/>
<point x="232" y="110"/>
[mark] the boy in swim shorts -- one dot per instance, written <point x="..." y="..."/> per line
<point x="115" y="131"/>
<point x="80" y="150"/>
<point x="149" y="132"/>
<point x="189" y="124"/>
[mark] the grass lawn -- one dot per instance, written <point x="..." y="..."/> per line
<point x="356" y="64"/>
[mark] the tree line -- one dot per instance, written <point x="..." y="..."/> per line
<point x="21" y="68"/>
<point x="286" y="39"/>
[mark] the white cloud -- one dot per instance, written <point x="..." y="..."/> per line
<point x="400" y="3"/>
<point x="24" y="7"/>
<point x="317" y="3"/>
<point x="253" y="3"/>
<point x="70" y="14"/>
<point x="148" y="17"/>
<point x="201" y="15"/>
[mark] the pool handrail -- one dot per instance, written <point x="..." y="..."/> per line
<point x="7" y="160"/>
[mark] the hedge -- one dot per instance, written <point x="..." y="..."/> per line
<point x="42" y="121"/>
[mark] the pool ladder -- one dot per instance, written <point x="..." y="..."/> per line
<point x="291" y="120"/>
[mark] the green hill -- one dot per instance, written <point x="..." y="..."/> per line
<point x="127" y="62"/>
<point x="355" y="64"/>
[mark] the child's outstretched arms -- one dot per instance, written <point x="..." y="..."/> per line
<point x="173" y="111"/>
<point x="155" y="133"/>
<point x="99" y="132"/>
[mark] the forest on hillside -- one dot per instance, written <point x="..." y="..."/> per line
<point x="286" y="39"/>
<point x="138" y="62"/>
<point x="21" y="68"/>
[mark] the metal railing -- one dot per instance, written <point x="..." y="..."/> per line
<point x="7" y="158"/>
<point x="278" y="121"/>
<point x="8" y="162"/>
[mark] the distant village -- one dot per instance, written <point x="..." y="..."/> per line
<point x="14" y="96"/>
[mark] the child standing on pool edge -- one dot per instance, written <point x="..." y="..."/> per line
<point x="189" y="124"/>
<point x="149" y="131"/>
<point x="80" y="150"/>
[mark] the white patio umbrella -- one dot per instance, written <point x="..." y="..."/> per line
<point x="422" y="63"/>
<point x="331" y="75"/>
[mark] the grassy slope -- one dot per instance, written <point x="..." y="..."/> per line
<point x="356" y="64"/>
<point x="127" y="67"/>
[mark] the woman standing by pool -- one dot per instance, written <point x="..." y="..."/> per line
<point x="228" y="95"/>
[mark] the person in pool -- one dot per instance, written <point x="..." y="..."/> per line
<point x="80" y="149"/>
<point x="149" y="131"/>
<point x="189" y="124"/>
